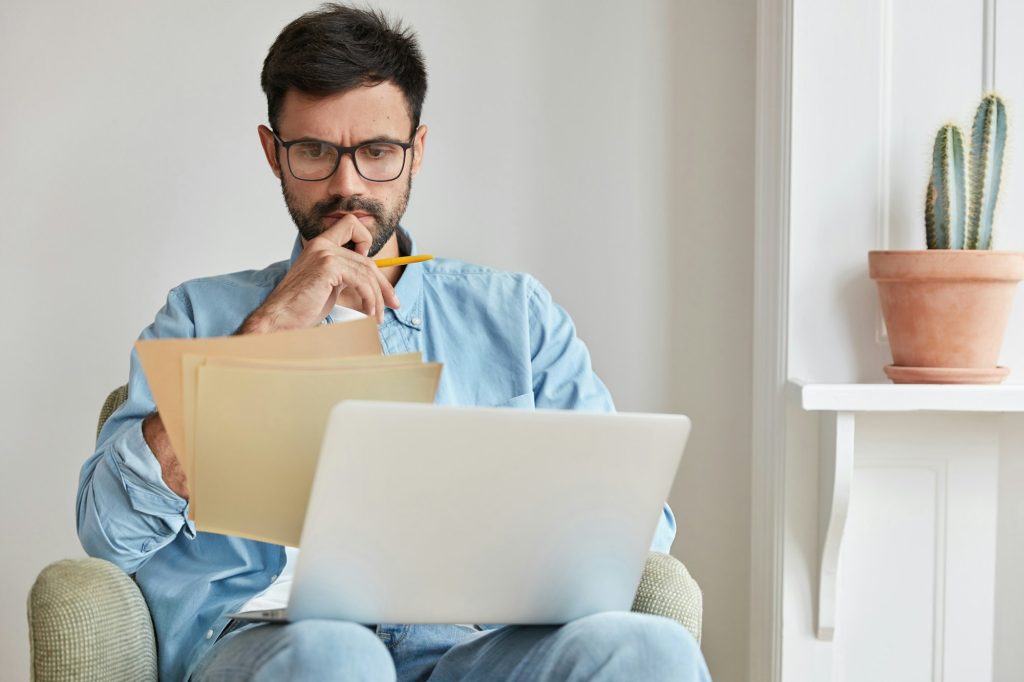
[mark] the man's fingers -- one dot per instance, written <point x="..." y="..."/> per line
<point x="369" y="299"/>
<point x="368" y="274"/>
<point x="380" y="298"/>
<point x="387" y="290"/>
<point x="349" y="229"/>
<point x="331" y="301"/>
<point x="349" y="270"/>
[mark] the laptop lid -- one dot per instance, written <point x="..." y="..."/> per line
<point x="429" y="514"/>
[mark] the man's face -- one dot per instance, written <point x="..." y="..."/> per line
<point x="350" y="118"/>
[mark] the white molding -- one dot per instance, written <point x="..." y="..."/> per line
<point x="883" y="236"/>
<point x="940" y="468"/>
<point x="883" y="229"/>
<point x="835" y="479"/>
<point x="907" y="397"/>
<point x="988" y="75"/>
<point x="771" y="320"/>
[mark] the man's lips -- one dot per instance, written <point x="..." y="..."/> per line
<point x="363" y="216"/>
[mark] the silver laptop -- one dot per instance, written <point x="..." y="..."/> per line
<point x="428" y="514"/>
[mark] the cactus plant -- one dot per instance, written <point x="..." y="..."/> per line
<point x="955" y="219"/>
<point x="988" y="141"/>
<point x="946" y="308"/>
<point x="945" y="212"/>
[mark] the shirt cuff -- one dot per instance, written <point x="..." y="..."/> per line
<point x="144" y="483"/>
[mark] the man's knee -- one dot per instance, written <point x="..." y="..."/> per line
<point x="328" y="650"/>
<point x="659" y="647"/>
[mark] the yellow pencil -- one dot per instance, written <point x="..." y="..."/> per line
<point x="404" y="260"/>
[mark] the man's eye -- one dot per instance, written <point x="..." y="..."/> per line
<point x="311" y="150"/>
<point x="377" y="152"/>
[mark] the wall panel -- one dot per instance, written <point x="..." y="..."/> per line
<point x="872" y="83"/>
<point x="890" y="578"/>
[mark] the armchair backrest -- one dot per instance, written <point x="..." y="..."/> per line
<point x="114" y="401"/>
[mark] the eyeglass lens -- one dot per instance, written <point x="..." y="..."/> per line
<point x="379" y="161"/>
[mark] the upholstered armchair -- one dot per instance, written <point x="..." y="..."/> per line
<point x="88" y="620"/>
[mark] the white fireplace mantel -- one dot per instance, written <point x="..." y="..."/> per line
<point x="838" y="406"/>
<point x="906" y="397"/>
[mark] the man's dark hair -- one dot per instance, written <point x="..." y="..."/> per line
<point x="337" y="48"/>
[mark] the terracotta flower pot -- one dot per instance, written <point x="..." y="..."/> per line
<point x="946" y="312"/>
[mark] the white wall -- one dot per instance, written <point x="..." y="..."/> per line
<point x="711" y="277"/>
<point x="604" y="147"/>
<point x="872" y="83"/>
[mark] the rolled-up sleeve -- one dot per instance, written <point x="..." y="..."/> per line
<point x="125" y="511"/>
<point x="563" y="378"/>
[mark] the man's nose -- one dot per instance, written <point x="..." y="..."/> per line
<point x="346" y="180"/>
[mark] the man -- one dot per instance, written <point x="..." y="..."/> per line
<point x="344" y="92"/>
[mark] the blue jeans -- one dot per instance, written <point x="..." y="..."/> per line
<point x="603" y="647"/>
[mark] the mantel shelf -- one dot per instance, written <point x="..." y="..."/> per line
<point x="906" y="397"/>
<point x="837" y="407"/>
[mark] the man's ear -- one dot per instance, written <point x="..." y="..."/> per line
<point x="269" y="148"/>
<point x="419" y="141"/>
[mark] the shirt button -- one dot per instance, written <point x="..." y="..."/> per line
<point x="209" y="634"/>
<point x="273" y="577"/>
<point x="416" y="321"/>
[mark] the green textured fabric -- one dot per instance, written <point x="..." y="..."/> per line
<point x="667" y="589"/>
<point x="88" y="621"/>
<point x="113" y="401"/>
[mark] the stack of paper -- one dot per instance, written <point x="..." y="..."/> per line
<point x="245" y="415"/>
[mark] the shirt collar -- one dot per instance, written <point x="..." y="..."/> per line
<point x="409" y="287"/>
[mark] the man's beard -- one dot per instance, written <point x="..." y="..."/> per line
<point x="311" y="223"/>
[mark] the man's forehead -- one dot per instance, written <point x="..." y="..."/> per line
<point x="365" y="112"/>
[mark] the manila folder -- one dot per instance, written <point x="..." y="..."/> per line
<point x="258" y="434"/>
<point x="162" y="362"/>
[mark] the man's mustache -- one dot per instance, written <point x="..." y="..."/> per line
<point x="349" y="205"/>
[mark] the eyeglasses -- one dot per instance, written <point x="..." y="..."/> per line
<point x="314" y="160"/>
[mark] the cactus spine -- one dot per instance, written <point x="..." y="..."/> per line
<point x="945" y="210"/>
<point x="988" y="142"/>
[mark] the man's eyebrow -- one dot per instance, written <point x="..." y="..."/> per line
<point x="383" y="138"/>
<point x="372" y="140"/>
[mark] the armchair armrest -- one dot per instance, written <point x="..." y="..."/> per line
<point x="87" y="620"/>
<point x="667" y="589"/>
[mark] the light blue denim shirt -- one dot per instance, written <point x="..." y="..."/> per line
<point x="502" y="340"/>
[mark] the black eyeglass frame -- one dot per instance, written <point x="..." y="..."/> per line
<point x="342" y="151"/>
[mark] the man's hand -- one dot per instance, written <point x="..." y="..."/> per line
<point x="323" y="270"/>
